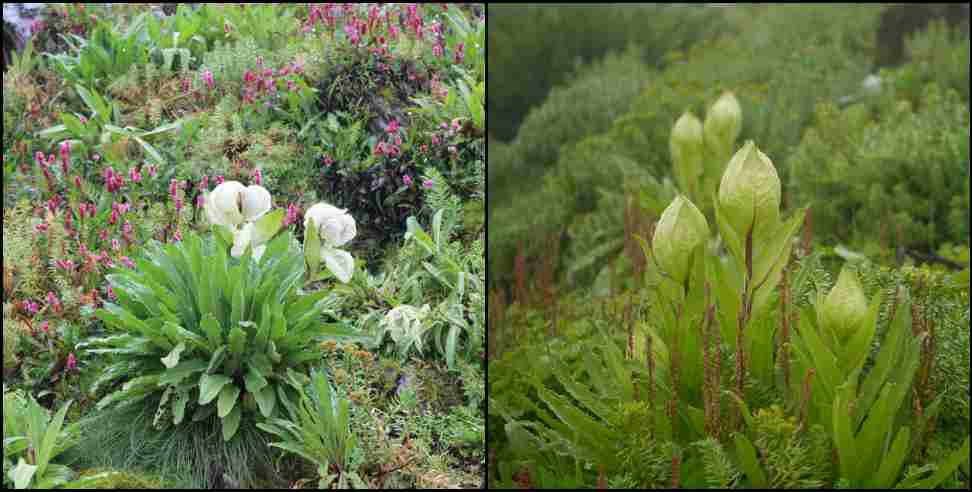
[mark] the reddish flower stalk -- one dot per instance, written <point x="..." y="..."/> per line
<point x="676" y="471"/>
<point x="805" y="403"/>
<point x="601" y="478"/>
<point x="807" y="232"/>
<point x="784" y="351"/>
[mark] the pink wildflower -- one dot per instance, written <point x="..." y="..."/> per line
<point x="208" y="77"/>
<point x="72" y="363"/>
<point x="127" y="262"/>
<point x="111" y="294"/>
<point x="460" y="53"/>
<point x="219" y="180"/>
<point x="45" y="327"/>
<point x="428" y="184"/>
<point x="407" y="180"/>
<point x="77" y="182"/>
<point x="257" y="176"/>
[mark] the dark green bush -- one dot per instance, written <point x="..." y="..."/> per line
<point x="533" y="48"/>
<point x="939" y="54"/>
<point x="909" y="169"/>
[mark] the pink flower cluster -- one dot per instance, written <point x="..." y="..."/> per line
<point x="260" y="83"/>
<point x="113" y="180"/>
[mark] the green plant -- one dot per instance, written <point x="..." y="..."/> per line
<point x="318" y="429"/>
<point x="915" y="164"/>
<point x="206" y="339"/>
<point x="101" y="130"/>
<point x="32" y="439"/>
<point x="106" y="55"/>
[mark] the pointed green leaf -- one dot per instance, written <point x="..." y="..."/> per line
<point x="254" y="380"/>
<point x="268" y="226"/>
<point x="209" y="387"/>
<point x="891" y="463"/>
<point x="231" y="423"/>
<point x="265" y="400"/>
<point x="750" y="465"/>
<point x="179" y="407"/>
<point x="22" y="474"/>
<point x="227" y="400"/>
<point x="312" y="250"/>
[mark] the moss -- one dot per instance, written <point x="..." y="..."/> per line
<point x="97" y="478"/>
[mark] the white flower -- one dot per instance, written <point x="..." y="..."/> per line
<point x="233" y="205"/>
<point x="334" y="228"/>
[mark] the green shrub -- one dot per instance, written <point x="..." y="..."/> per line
<point x="585" y="105"/>
<point x="534" y="48"/>
<point x="938" y="54"/>
<point x="909" y="169"/>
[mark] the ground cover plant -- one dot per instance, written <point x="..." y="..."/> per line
<point x="244" y="246"/>
<point x="757" y="277"/>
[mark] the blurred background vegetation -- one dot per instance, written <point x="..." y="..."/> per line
<point x="584" y="97"/>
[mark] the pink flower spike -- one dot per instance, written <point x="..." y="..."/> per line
<point x="200" y="200"/>
<point x="208" y="77"/>
<point x="31" y="307"/>
<point x="219" y="180"/>
<point x="96" y="157"/>
<point x="42" y="227"/>
<point x="427" y="184"/>
<point x="152" y="172"/>
<point x="177" y="236"/>
<point x="77" y="182"/>
<point x="327" y="160"/>
<point x="257" y="176"/>
<point x="407" y="180"/>
<point x="460" y="53"/>
<point x="116" y="244"/>
<point x="111" y="294"/>
<point x="45" y="327"/>
<point x="72" y="362"/>
<point x="134" y="175"/>
<point x="392" y="126"/>
<point x="127" y="262"/>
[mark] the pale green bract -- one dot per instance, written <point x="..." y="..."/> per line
<point x="750" y="190"/>
<point x="845" y="307"/>
<point x="681" y="229"/>
<point x="686" y="145"/>
<point x="723" y="122"/>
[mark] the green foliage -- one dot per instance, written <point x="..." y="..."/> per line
<point x="583" y="105"/>
<point x="198" y="333"/>
<point x="937" y="54"/>
<point x="908" y="170"/>
<point x="106" y="55"/>
<point x="32" y="439"/>
<point x="318" y="428"/>
<point x="9" y="338"/>
<point x="533" y="48"/>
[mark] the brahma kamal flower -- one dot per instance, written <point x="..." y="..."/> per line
<point x="723" y="123"/>
<point x="750" y="192"/>
<point x="686" y="145"/>
<point x="845" y="308"/>
<point x="335" y="228"/>
<point x="236" y="207"/>
<point x="681" y="229"/>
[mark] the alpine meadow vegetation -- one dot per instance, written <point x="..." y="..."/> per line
<point x="756" y="275"/>
<point x="244" y="246"/>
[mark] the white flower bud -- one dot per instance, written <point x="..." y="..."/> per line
<point x="750" y="190"/>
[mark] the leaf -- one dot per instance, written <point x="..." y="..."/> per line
<point x="182" y="371"/>
<point x="231" y="423"/>
<point x="210" y="386"/>
<point x="946" y="468"/>
<point x="218" y="357"/>
<point x="266" y="400"/>
<point x="179" y="407"/>
<point x="844" y="438"/>
<point x="268" y="226"/>
<point x="891" y="464"/>
<point x="750" y="465"/>
<point x="339" y="262"/>
<point x="227" y="400"/>
<point x="437" y="230"/>
<point x="94" y="102"/>
<point x="171" y="360"/>
<point x="312" y="250"/>
<point x="22" y="474"/>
